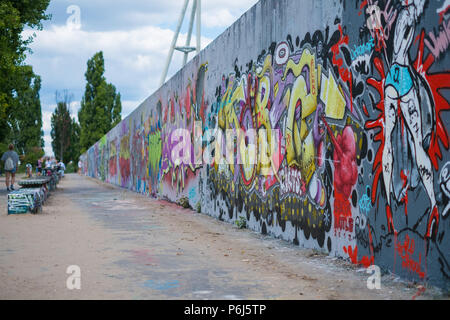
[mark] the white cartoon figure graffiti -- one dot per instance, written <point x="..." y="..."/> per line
<point x="444" y="182"/>
<point x="401" y="91"/>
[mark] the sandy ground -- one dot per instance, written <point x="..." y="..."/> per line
<point x="128" y="246"/>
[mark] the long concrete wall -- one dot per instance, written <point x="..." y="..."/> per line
<point x="345" y="105"/>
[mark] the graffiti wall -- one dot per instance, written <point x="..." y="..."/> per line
<point x="323" y="123"/>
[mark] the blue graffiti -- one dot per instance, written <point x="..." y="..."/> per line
<point x="157" y="285"/>
<point x="192" y="194"/>
<point x="365" y="205"/>
<point x="362" y="49"/>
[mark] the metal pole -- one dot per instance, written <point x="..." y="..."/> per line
<point x="191" y="26"/>
<point x="174" y="42"/>
<point x="199" y="23"/>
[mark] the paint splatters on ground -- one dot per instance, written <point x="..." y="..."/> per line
<point x="151" y="249"/>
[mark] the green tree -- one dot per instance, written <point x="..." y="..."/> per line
<point x="14" y="16"/>
<point x="31" y="156"/>
<point x="25" y="122"/>
<point x="100" y="107"/>
<point x="74" y="152"/>
<point x="65" y="130"/>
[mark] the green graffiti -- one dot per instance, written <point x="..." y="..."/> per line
<point x="154" y="151"/>
<point x="102" y="142"/>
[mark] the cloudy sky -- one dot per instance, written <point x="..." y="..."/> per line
<point x="135" y="37"/>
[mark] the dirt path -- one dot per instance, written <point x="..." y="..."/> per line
<point x="131" y="247"/>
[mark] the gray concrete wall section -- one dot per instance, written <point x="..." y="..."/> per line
<point x="346" y="104"/>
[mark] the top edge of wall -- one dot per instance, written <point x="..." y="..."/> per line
<point x="194" y="60"/>
<point x="252" y="13"/>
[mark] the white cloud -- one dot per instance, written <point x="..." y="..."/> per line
<point x="102" y="15"/>
<point x="47" y="127"/>
<point x="132" y="58"/>
<point x="128" y="106"/>
<point x="48" y="145"/>
<point x="74" y="107"/>
<point x="219" y="18"/>
<point x="134" y="36"/>
<point x="223" y="13"/>
<point x="47" y="120"/>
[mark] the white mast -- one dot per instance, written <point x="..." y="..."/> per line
<point x="196" y="10"/>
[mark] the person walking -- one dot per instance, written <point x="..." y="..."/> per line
<point x="62" y="167"/>
<point x="29" y="170"/>
<point x="39" y="167"/>
<point x="11" y="160"/>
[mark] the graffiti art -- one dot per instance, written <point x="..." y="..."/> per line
<point x="335" y="139"/>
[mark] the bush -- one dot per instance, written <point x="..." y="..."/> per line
<point x="241" y="223"/>
<point x="184" y="202"/>
<point x="31" y="156"/>
<point x="71" y="167"/>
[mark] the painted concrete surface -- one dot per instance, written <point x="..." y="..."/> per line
<point x="129" y="246"/>
<point x="344" y="105"/>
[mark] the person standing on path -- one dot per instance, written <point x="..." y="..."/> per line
<point x="80" y="165"/>
<point x="39" y="167"/>
<point x="11" y="160"/>
<point x="61" y="167"/>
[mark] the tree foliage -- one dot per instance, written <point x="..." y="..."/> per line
<point x="25" y="122"/>
<point x="65" y="131"/>
<point x="17" y="81"/>
<point x="100" y="107"/>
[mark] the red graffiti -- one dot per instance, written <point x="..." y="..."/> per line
<point x="342" y="213"/>
<point x="437" y="82"/>
<point x="361" y="7"/>
<point x="269" y="181"/>
<point x="378" y="123"/>
<point x="421" y="290"/>
<point x="365" y="110"/>
<point x="344" y="157"/>
<point x="390" y="221"/>
<point x="353" y="255"/>
<point x="406" y="250"/>
<point x="124" y="165"/>
<point x="187" y="102"/>
<point x="143" y="256"/>
<point x="443" y="13"/>
<point x="345" y="175"/>
<point x="404" y="178"/>
<point x="370" y="240"/>
<point x="344" y="73"/>
<point x="112" y="166"/>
